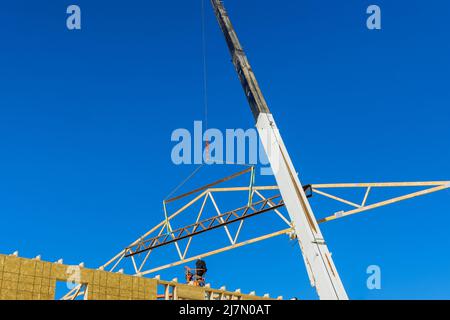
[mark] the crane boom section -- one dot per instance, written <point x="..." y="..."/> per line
<point x="319" y="264"/>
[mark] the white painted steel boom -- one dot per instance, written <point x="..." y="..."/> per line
<point x="319" y="264"/>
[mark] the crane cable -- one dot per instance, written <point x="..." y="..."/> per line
<point x="167" y="223"/>
<point x="205" y="105"/>
<point x="207" y="141"/>
<point x="205" y="75"/>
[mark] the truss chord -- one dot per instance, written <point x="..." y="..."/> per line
<point x="214" y="223"/>
<point x="385" y="203"/>
<point x="208" y="186"/>
<point x="215" y="252"/>
<point x="212" y="220"/>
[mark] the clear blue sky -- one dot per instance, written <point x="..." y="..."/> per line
<point x="86" y="119"/>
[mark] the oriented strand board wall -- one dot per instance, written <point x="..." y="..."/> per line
<point x="185" y="292"/>
<point x="114" y="286"/>
<point x="25" y="279"/>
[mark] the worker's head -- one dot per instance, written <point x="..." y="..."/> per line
<point x="200" y="266"/>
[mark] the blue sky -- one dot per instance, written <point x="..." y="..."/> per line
<point x="86" y="118"/>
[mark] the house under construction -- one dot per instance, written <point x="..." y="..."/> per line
<point x="288" y="200"/>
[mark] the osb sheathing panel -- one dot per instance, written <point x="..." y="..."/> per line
<point x="189" y="292"/>
<point x="113" y="286"/>
<point x="253" y="297"/>
<point x="25" y="279"/>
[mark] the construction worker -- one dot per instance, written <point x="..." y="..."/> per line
<point x="195" y="276"/>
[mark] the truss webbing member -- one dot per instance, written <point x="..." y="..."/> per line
<point x="318" y="261"/>
<point x="252" y="184"/>
<point x="167" y="222"/>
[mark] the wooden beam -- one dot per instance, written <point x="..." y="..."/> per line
<point x="382" y="184"/>
<point x="385" y="203"/>
<point x="208" y="186"/>
<point x="214" y="252"/>
<point x="336" y="198"/>
<point x="366" y="196"/>
<point x="234" y="189"/>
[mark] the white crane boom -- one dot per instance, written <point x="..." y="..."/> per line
<point x="319" y="263"/>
